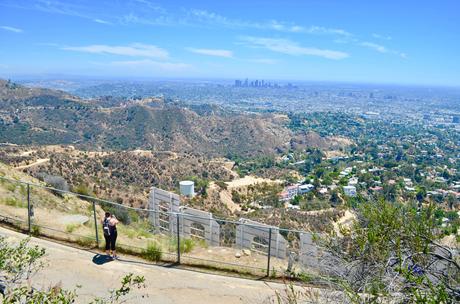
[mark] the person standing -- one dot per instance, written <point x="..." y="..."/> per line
<point x="109" y="225"/>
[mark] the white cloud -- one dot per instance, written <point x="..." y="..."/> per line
<point x="377" y="47"/>
<point x="68" y="8"/>
<point x="162" y="20"/>
<point x="382" y="49"/>
<point x="212" y="52"/>
<point x="136" y="49"/>
<point x="383" y="37"/>
<point x="11" y="29"/>
<point x="210" y="17"/>
<point x="151" y="5"/>
<point x="329" y="31"/>
<point x="157" y="15"/>
<point x="101" y="21"/>
<point x="203" y="16"/>
<point x="151" y="64"/>
<point x="289" y="47"/>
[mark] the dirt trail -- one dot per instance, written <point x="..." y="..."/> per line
<point x="249" y="180"/>
<point x="72" y="267"/>
<point x="36" y="163"/>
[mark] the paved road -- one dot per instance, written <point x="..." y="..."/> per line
<point x="71" y="267"/>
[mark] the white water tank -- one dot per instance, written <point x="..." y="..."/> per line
<point x="187" y="188"/>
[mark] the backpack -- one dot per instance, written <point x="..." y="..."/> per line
<point x="105" y="226"/>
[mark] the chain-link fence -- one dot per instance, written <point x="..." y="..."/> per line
<point x="166" y="233"/>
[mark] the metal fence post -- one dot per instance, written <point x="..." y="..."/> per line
<point x="178" y="238"/>
<point x="269" y="250"/>
<point x="28" y="209"/>
<point x="95" y="223"/>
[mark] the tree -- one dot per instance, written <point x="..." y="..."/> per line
<point x="335" y="198"/>
<point x="392" y="253"/>
<point x="421" y="194"/>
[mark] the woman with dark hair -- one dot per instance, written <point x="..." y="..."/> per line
<point x="109" y="225"/>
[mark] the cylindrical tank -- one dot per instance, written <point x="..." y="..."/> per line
<point x="187" y="188"/>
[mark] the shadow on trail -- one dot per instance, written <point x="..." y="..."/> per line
<point x="101" y="259"/>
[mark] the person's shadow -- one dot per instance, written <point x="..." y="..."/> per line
<point x="101" y="259"/>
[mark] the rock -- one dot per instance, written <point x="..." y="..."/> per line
<point x="238" y="255"/>
<point x="74" y="219"/>
<point x="247" y="252"/>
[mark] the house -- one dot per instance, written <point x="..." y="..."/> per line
<point x="289" y="192"/>
<point x="292" y="190"/>
<point x="440" y="179"/>
<point x="376" y="188"/>
<point x="294" y="207"/>
<point x="346" y="172"/>
<point x="408" y="182"/>
<point x="350" y="191"/>
<point x="306" y="188"/>
<point x="284" y="197"/>
<point x="409" y="189"/>
<point x="323" y="191"/>
<point x="353" y="181"/>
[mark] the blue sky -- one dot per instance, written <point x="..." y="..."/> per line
<point x="402" y="42"/>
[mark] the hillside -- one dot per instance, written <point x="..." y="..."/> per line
<point x="10" y="91"/>
<point x="41" y="116"/>
<point x="125" y="176"/>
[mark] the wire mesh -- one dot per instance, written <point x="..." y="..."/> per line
<point x="190" y="236"/>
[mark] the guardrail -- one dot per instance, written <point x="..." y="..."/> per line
<point x="179" y="237"/>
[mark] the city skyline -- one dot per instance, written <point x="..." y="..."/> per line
<point x="397" y="43"/>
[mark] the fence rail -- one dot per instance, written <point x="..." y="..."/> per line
<point x="183" y="236"/>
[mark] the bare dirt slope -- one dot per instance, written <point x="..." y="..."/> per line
<point x="71" y="267"/>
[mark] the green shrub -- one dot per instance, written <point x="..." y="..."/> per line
<point x="35" y="231"/>
<point x="83" y="190"/>
<point x="152" y="252"/>
<point x="186" y="245"/>
<point x="14" y="202"/>
<point x="10" y="201"/>
<point x="71" y="227"/>
<point x="222" y="184"/>
<point x="305" y="277"/>
<point x="10" y="187"/>
<point x="202" y="243"/>
<point x="23" y="190"/>
<point x="121" y="213"/>
<point x="133" y="216"/>
<point x="130" y="233"/>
